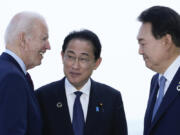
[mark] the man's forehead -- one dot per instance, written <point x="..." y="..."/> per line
<point x="144" y="30"/>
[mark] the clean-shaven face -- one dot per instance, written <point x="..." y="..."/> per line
<point x="150" y="48"/>
<point x="79" y="62"/>
<point x="37" y="44"/>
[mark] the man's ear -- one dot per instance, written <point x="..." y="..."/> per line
<point x="22" y="40"/>
<point x="167" y="41"/>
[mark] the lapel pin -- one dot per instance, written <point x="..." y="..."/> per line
<point x="59" y="104"/>
<point x="100" y="104"/>
<point x="97" y="109"/>
<point x="178" y="87"/>
<point x="100" y="108"/>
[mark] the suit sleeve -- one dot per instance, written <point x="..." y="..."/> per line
<point x="120" y="118"/>
<point x="13" y="105"/>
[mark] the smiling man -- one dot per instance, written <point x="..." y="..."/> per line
<point x="26" y="40"/>
<point x="159" y="44"/>
<point x="77" y="105"/>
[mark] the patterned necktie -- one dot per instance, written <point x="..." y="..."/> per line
<point x="78" y="116"/>
<point x="30" y="80"/>
<point x="162" y="82"/>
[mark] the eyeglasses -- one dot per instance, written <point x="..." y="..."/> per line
<point x="80" y="60"/>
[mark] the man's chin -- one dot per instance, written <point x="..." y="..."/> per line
<point x="34" y="65"/>
<point x="149" y="66"/>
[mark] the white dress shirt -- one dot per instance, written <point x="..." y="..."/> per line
<point x="170" y="73"/>
<point x="84" y="99"/>
<point x="18" y="60"/>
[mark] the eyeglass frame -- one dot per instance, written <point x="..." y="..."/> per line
<point x="80" y="60"/>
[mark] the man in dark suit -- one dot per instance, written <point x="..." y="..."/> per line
<point x="159" y="42"/>
<point x="26" y="40"/>
<point x="97" y="109"/>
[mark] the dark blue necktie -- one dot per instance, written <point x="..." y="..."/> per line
<point x="162" y="82"/>
<point x="78" y="116"/>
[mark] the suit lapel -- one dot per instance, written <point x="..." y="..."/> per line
<point x="151" y="103"/>
<point x="61" y="109"/>
<point x="9" y="58"/>
<point x="93" y="115"/>
<point x="169" y="97"/>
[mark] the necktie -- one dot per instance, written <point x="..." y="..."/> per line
<point x="162" y="82"/>
<point x="78" y="116"/>
<point x="30" y="80"/>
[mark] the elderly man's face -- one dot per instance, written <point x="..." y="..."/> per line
<point x="37" y="44"/>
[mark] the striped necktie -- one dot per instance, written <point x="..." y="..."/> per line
<point x="162" y="82"/>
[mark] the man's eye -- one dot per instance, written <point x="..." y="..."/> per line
<point x="45" y="38"/>
<point x="83" y="59"/>
<point x="70" y="57"/>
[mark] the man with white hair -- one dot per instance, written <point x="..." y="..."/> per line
<point x="26" y="41"/>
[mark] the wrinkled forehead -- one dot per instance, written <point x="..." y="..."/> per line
<point x="39" y="23"/>
<point x="39" y="27"/>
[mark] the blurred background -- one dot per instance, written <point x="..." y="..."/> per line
<point x="115" y="22"/>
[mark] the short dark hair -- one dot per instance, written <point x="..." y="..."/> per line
<point x="164" y="20"/>
<point x="84" y="35"/>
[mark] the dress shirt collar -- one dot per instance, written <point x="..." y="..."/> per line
<point x="18" y="60"/>
<point x="70" y="89"/>
<point x="172" y="69"/>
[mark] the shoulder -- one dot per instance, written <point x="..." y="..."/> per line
<point x="9" y="72"/>
<point x="7" y="67"/>
<point x="13" y="85"/>
<point x="11" y="76"/>
<point x="52" y="87"/>
<point x="106" y="94"/>
<point x="51" y="92"/>
<point x="104" y="88"/>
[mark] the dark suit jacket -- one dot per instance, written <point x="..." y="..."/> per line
<point x="167" y="119"/>
<point x="110" y="120"/>
<point x="19" y="112"/>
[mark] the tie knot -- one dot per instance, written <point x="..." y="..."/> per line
<point x="28" y="75"/>
<point x="78" y="93"/>
<point x="162" y="81"/>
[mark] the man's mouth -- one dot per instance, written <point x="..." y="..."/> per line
<point x="42" y="53"/>
<point x="145" y="58"/>
<point x="74" y="74"/>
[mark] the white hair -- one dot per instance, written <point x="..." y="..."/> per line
<point x="21" y="22"/>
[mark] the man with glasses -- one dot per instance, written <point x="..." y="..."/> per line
<point x="77" y="105"/>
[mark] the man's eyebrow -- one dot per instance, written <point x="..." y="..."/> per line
<point x="86" y="54"/>
<point x="70" y="51"/>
